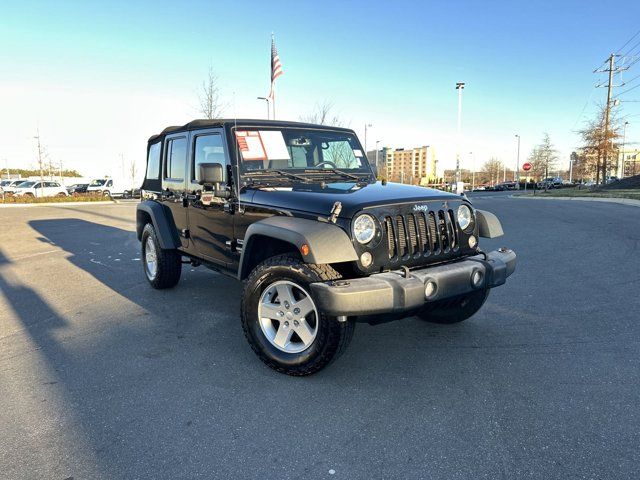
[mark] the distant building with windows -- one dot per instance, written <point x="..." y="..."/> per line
<point x="630" y="162"/>
<point x="415" y="166"/>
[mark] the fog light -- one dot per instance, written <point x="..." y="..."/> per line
<point x="430" y="289"/>
<point x="366" y="259"/>
<point x="476" y="278"/>
<point x="473" y="241"/>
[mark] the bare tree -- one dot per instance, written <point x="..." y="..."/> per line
<point x="598" y="145"/>
<point x="211" y="105"/>
<point x="133" y="172"/>
<point x="322" y="114"/>
<point x="491" y="170"/>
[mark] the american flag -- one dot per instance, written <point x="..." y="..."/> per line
<point x="276" y="68"/>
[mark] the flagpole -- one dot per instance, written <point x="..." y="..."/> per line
<point x="273" y="89"/>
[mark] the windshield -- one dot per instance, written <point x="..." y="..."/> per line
<point x="300" y="150"/>
<point x="97" y="183"/>
<point x="26" y="184"/>
<point x="4" y="183"/>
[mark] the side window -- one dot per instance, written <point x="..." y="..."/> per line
<point x="153" y="162"/>
<point x="37" y="185"/>
<point x="110" y="183"/>
<point x="207" y="149"/>
<point x="176" y="156"/>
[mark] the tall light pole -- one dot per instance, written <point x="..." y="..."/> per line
<point x="624" y="140"/>
<point x="459" y="87"/>
<point x="266" y="100"/>
<point x="516" y="175"/>
<point x="473" y="171"/>
<point x="366" y="126"/>
<point x="377" y="149"/>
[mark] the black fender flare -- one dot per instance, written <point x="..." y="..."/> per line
<point x="327" y="242"/>
<point x="488" y="224"/>
<point x="162" y="221"/>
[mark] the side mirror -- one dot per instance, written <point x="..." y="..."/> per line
<point x="211" y="173"/>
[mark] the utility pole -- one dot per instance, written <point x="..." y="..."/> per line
<point x="6" y="164"/>
<point x="611" y="70"/>
<point x="624" y="140"/>
<point x="377" y="143"/>
<point x="459" y="87"/>
<point x="516" y="175"/>
<point x="40" y="154"/>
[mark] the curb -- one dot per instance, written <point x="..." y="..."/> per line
<point x="54" y="204"/>
<point x="623" y="201"/>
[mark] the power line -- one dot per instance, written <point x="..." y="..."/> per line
<point x="629" y="41"/>
<point x="632" y="80"/>
<point x="628" y="90"/>
<point x="631" y="49"/>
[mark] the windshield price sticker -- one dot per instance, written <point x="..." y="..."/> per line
<point x="262" y="145"/>
<point x="357" y="153"/>
<point x="250" y="145"/>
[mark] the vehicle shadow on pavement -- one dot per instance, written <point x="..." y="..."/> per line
<point x="162" y="383"/>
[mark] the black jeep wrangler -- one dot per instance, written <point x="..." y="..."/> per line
<point x="295" y="212"/>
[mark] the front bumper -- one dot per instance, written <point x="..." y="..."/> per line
<point x="404" y="290"/>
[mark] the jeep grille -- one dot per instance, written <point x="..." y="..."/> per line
<point x="423" y="233"/>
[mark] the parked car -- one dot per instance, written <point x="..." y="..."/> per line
<point x="109" y="187"/>
<point x="11" y="186"/>
<point x="41" y="189"/>
<point x="132" y="193"/>
<point x="77" y="188"/>
<point x="294" y="211"/>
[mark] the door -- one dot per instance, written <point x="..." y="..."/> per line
<point x="174" y="182"/>
<point x="210" y="223"/>
<point x="38" y="190"/>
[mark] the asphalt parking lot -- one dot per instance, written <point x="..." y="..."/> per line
<point x="103" y="377"/>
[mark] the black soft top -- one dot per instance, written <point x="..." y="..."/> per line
<point x="244" y="122"/>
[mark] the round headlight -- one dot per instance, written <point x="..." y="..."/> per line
<point x="465" y="217"/>
<point x="364" y="228"/>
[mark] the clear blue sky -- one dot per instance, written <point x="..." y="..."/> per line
<point x="98" y="78"/>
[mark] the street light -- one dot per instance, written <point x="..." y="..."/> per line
<point x="517" y="172"/>
<point x="473" y="171"/>
<point x="459" y="87"/>
<point x="366" y="125"/>
<point x="624" y="139"/>
<point x="377" y="143"/>
<point x="266" y="100"/>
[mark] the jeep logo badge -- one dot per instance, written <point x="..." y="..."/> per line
<point x="421" y="208"/>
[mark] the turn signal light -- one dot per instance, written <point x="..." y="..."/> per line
<point x="304" y="249"/>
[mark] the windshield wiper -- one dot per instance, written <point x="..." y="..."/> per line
<point x="339" y="172"/>
<point x="282" y="173"/>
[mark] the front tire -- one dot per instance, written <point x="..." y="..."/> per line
<point x="282" y="321"/>
<point x="454" y="310"/>
<point x="161" y="267"/>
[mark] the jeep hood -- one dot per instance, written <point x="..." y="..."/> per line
<point x="354" y="197"/>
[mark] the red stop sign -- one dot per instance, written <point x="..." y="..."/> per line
<point x="526" y="167"/>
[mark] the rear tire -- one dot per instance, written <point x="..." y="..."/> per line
<point x="162" y="267"/>
<point x="265" y="311"/>
<point x="454" y="310"/>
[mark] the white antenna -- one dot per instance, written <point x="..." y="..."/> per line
<point x="235" y="141"/>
